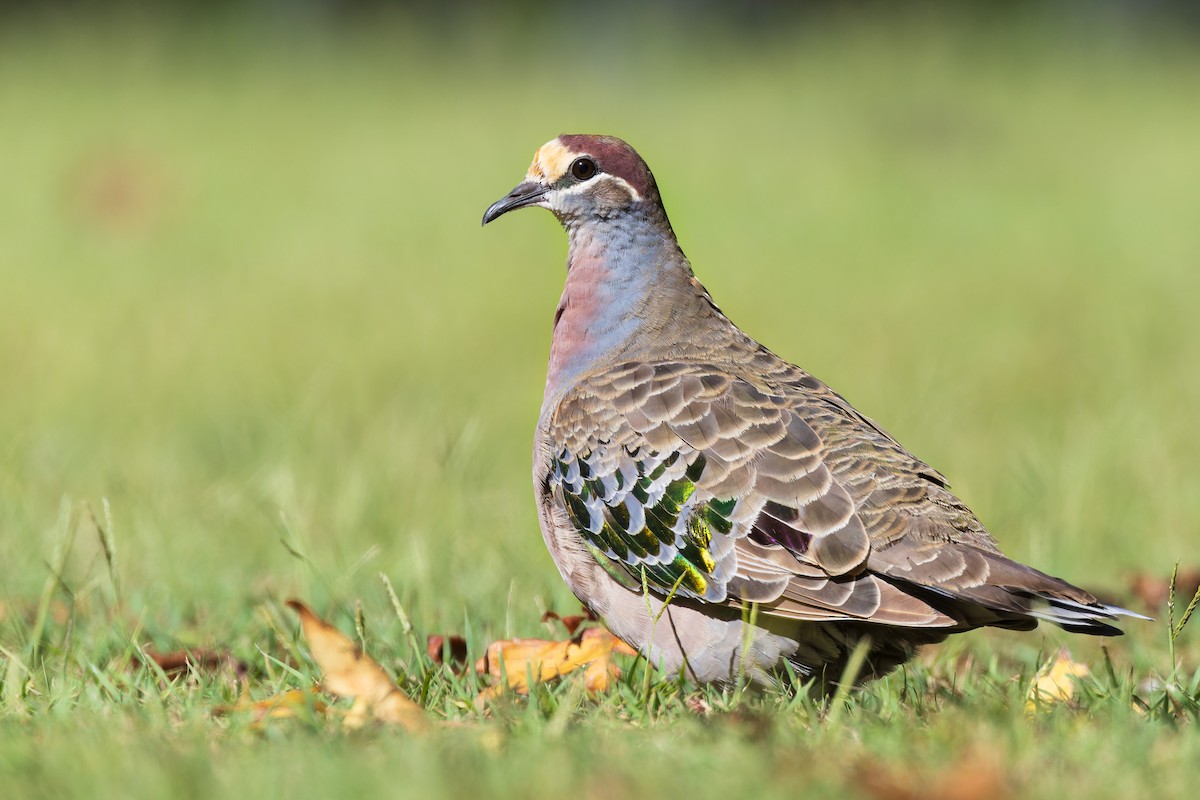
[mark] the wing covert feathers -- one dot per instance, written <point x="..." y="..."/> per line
<point x="767" y="487"/>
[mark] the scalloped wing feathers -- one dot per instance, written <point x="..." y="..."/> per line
<point x="726" y="489"/>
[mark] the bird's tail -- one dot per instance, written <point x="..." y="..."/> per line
<point x="997" y="591"/>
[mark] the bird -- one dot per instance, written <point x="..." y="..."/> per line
<point x="720" y="509"/>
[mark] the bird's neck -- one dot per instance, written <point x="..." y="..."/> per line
<point x="629" y="294"/>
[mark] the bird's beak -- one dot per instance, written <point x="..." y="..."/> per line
<point x="527" y="194"/>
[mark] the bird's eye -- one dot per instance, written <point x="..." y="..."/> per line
<point x="582" y="169"/>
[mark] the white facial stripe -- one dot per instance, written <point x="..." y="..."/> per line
<point x="579" y="188"/>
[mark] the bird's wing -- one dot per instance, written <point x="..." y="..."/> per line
<point x="701" y="483"/>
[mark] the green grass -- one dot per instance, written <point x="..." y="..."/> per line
<point x="245" y="300"/>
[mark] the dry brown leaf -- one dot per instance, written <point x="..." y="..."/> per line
<point x="351" y="673"/>
<point x="119" y="190"/>
<point x="1055" y="682"/>
<point x="198" y="659"/>
<point x="518" y="659"/>
<point x="1153" y="590"/>
<point x="279" y="706"/>
<point x="974" y="776"/>
<point x="571" y="623"/>
<point x="439" y="647"/>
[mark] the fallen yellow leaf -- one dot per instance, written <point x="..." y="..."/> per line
<point x="279" y="706"/>
<point x="517" y="660"/>
<point x="351" y="673"/>
<point x="1055" y="682"/>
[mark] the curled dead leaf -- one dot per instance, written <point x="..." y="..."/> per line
<point x="1055" y="682"/>
<point x="515" y="662"/>
<point x="349" y="672"/>
<point x="449" y="650"/>
<point x="571" y="623"/>
<point x="197" y="659"/>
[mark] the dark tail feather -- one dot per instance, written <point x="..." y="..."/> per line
<point x="1017" y="596"/>
<point x="1078" y="617"/>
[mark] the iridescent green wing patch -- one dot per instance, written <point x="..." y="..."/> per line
<point x="641" y="512"/>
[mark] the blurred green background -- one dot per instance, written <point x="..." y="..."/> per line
<point x="245" y="297"/>
<point x="245" y="289"/>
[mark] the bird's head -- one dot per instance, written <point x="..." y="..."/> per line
<point x="579" y="176"/>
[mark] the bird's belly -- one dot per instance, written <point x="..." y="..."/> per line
<point x="705" y="641"/>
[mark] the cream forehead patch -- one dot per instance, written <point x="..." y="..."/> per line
<point x="550" y="162"/>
